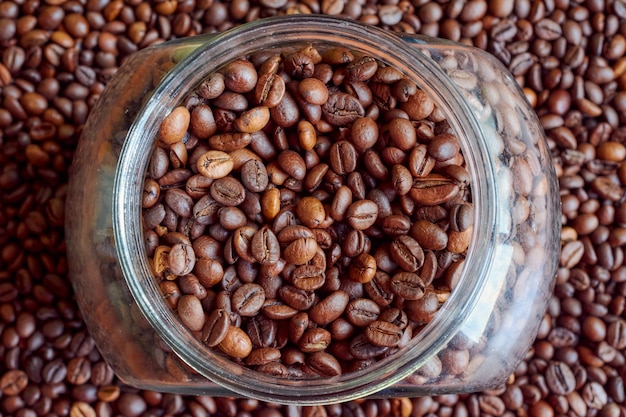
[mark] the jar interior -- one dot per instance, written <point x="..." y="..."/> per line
<point x="282" y="34"/>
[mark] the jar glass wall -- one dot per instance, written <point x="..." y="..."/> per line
<point x="481" y="332"/>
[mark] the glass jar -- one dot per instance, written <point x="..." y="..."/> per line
<point x="488" y="322"/>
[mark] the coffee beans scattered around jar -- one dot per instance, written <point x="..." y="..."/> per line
<point x="306" y="212"/>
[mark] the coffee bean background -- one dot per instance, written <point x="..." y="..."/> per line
<point x="56" y="56"/>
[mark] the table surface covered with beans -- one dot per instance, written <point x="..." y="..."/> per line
<point x="56" y="56"/>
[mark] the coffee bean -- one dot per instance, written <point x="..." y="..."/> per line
<point x="433" y="189"/>
<point x="248" y="299"/>
<point x="361" y="348"/>
<point x="362" y="311"/>
<point x="13" y="382"/>
<point x="407" y="253"/>
<point x="324" y="364"/>
<point x="265" y="246"/>
<point x="300" y="251"/>
<point x="175" y="125"/>
<point x="362" y="214"/>
<point x="362" y="268"/>
<point x="215" y="328"/>
<point x="228" y="191"/>
<point x="215" y="164"/>
<point x="343" y="157"/>
<point x="190" y="312"/>
<point x="315" y="339"/>
<point x="236" y="343"/>
<point x="181" y="259"/>
<point x="402" y="133"/>
<point x="383" y="333"/>
<point x="560" y="378"/>
<point x="240" y="76"/>
<point x="269" y="90"/>
<point x="341" y="109"/>
<point x="429" y="235"/>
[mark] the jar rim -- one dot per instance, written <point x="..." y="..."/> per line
<point x="280" y="32"/>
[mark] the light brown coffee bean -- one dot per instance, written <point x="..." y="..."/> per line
<point x="174" y="126"/>
<point x="236" y="343"/>
<point x="363" y="268"/>
<point x="252" y="120"/>
<point x="215" y="164"/>
<point x="402" y="133"/>
<point x="300" y="251"/>
<point x="310" y="212"/>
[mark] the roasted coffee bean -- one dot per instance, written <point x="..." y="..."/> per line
<point x="341" y="109"/>
<point x="308" y="277"/>
<point x="215" y="328"/>
<point x="407" y="253"/>
<point x="407" y="285"/>
<point x="429" y="235"/>
<point x="310" y="211"/>
<point x="175" y="125"/>
<point x="240" y="76"/>
<point x="433" y="189"/>
<point x="362" y="214"/>
<point x="293" y="164"/>
<point x="362" y="268"/>
<point x="269" y="90"/>
<point x="383" y="333"/>
<point x="297" y="298"/>
<point x="362" y="311"/>
<point x="315" y="339"/>
<point x="236" y="343"/>
<point x="190" y="312"/>
<point x="182" y="259"/>
<point x="265" y="246"/>
<point x="324" y="364"/>
<point x="343" y="157"/>
<point x="215" y="164"/>
<point x="277" y="310"/>
<point x="300" y="251"/>
<point x="228" y="191"/>
<point x="248" y="299"/>
<point x="361" y="348"/>
<point x="560" y="379"/>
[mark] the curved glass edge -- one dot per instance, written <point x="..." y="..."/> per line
<point x="121" y="333"/>
<point x="522" y="277"/>
<point x="257" y="35"/>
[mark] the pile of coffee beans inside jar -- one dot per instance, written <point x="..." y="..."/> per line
<point x="307" y="212"/>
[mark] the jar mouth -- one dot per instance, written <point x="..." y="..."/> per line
<point x="279" y="33"/>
